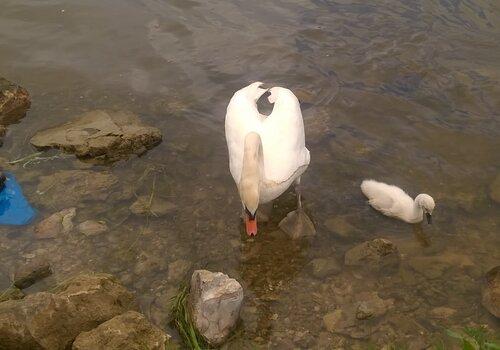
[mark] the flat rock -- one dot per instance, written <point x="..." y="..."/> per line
<point x="100" y="135"/>
<point x="374" y="254"/>
<point x="70" y="188"/>
<point x="215" y="302"/>
<point x="323" y="267"/>
<point x="11" y="293"/>
<point x="53" y="320"/>
<point x="27" y="274"/>
<point x="442" y="312"/>
<point x="92" y="228"/>
<point x="178" y="269"/>
<point x="491" y="291"/>
<point x="56" y="224"/>
<point x="130" y="330"/>
<point x="340" y="226"/>
<point x="495" y="189"/>
<point x="155" y="207"/>
<point x="14" y="102"/>
<point x="297" y="225"/>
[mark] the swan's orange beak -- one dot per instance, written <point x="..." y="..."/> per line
<point x="251" y="225"/>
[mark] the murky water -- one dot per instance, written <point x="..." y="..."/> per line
<point x="402" y="91"/>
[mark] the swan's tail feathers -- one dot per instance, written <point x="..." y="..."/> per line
<point x="377" y="195"/>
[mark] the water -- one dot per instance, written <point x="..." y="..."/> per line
<point x="401" y="91"/>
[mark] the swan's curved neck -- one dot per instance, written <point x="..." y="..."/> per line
<point x="417" y="212"/>
<point x="249" y="185"/>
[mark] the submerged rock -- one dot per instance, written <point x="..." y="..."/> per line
<point x="11" y="293"/>
<point x="491" y="291"/>
<point x="495" y="189"/>
<point x="215" y="302"/>
<point x="56" y="224"/>
<point x="131" y="331"/>
<point x="102" y="135"/>
<point x="377" y="254"/>
<point x="178" y="269"/>
<point x="53" y="320"/>
<point x="442" y="312"/>
<point x="92" y="228"/>
<point x="340" y="226"/>
<point x="14" y="102"/>
<point x="155" y="207"/>
<point x="323" y="267"/>
<point x="69" y="188"/>
<point x="28" y="274"/>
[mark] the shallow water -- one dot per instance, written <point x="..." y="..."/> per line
<point x="405" y="92"/>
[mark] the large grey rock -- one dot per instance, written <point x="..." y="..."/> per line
<point x="131" y="331"/>
<point x="374" y="254"/>
<point x="70" y="188"/>
<point x="491" y="291"/>
<point x="102" y="135"/>
<point x="14" y="102"/>
<point x="53" y="320"/>
<point x="215" y="302"/>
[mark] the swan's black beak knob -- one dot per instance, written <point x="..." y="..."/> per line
<point x="429" y="218"/>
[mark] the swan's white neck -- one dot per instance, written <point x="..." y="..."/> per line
<point x="415" y="213"/>
<point x="249" y="185"/>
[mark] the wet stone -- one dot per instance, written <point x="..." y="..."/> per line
<point x="495" y="189"/>
<point x="491" y="291"/>
<point x="92" y="228"/>
<point x="130" y="330"/>
<point x="215" y="302"/>
<point x="11" y="293"/>
<point x="155" y="207"/>
<point x="323" y="267"/>
<point x="56" y="224"/>
<point x="27" y="274"/>
<point x="14" y="102"/>
<point x="374" y="254"/>
<point x="100" y="135"/>
<point x="340" y="226"/>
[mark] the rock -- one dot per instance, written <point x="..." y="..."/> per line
<point x="178" y="269"/>
<point x="376" y="254"/>
<point x="434" y="266"/>
<point x="340" y="226"/>
<point x="215" y="302"/>
<point x="55" y="224"/>
<point x="53" y="320"/>
<point x="442" y="312"/>
<point x="14" y="102"/>
<point x="129" y="331"/>
<point x="325" y="267"/>
<point x="157" y="207"/>
<point x="69" y="188"/>
<point x="92" y="228"/>
<point x="11" y="293"/>
<point x="28" y="274"/>
<point x="359" y="318"/>
<point x="369" y="305"/>
<point x="491" y="291"/>
<point x="297" y="224"/>
<point x="495" y="189"/>
<point x="102" y="135"/>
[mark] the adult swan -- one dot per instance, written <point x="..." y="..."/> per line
<point x="266" y="153"/>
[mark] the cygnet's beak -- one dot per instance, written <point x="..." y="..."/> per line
<point x="429" y="218"/>
<point x="250" y="223"/>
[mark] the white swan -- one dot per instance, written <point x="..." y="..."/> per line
<point x="393" y="201"/>
<point x="266" y="153"/>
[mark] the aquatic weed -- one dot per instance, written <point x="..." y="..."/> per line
<point x="181" y="319"/>
<point x="475" y="338"/>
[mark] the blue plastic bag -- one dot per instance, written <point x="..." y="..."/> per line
<point x="14" y="208"/>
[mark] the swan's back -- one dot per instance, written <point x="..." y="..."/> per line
<point x="282" y="132"/>
<point x="389" y="199"/>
